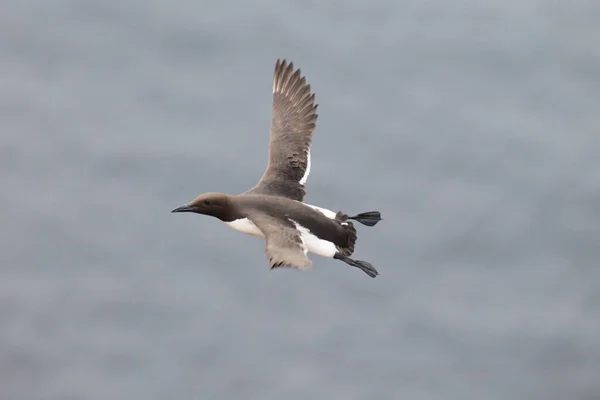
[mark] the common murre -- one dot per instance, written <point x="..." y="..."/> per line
<point x="273" y="209"/>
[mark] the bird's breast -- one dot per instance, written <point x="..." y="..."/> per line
<point x="246" y="226"/>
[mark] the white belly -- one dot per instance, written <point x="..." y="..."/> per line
<point x="313" y="244"/>
<point x="310" y="242"/>
<point x="246" y="226"/>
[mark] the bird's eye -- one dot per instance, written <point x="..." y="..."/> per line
<point x="206" y="203"/>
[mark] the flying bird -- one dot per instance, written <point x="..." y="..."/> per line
<point x="274" y="208"/>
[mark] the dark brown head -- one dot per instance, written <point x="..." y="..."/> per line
<point x="218" y="205"/>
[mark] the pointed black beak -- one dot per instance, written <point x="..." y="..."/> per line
<point x="183" y="209"/>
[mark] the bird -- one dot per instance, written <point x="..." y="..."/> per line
<point x="274" y="209"/>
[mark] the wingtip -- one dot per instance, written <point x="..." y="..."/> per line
<point x="291" y="82"/>
<point x="279" y="63"/>
<point x="283" y="64"/>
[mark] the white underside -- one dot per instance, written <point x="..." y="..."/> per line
<point x="328" y="213"/>
<point x="246" y="226"/>
<point x="311" y="243"/>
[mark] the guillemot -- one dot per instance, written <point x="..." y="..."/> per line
<point x="274" y="208"/>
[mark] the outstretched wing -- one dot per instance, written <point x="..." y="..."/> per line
<point x="292" y="125"/>
<point x="284" y="246"/>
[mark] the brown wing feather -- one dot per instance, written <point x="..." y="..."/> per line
<point x="284" y="247"/>
<point x="292" y="125"/>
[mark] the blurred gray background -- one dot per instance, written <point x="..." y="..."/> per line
<point x="472" y="126"/>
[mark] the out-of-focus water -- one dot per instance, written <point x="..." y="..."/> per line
<point x="472" y="126"/>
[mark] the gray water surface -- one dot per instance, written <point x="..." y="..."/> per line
<point x="472" y="126"/>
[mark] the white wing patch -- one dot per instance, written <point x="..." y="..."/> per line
<point x="307" y="172"/>
<point x="313" y="244"/>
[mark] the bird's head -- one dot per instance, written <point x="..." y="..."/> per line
<point x="218" y="205"/>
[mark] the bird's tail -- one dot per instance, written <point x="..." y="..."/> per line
<point x="348" y="249"/>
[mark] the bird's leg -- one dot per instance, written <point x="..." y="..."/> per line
<point x="369" y="218"/>
<point x="364" y="265"/>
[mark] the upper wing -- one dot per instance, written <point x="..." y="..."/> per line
<point x="292" y="125"/>
<point x="284" y="246"/>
